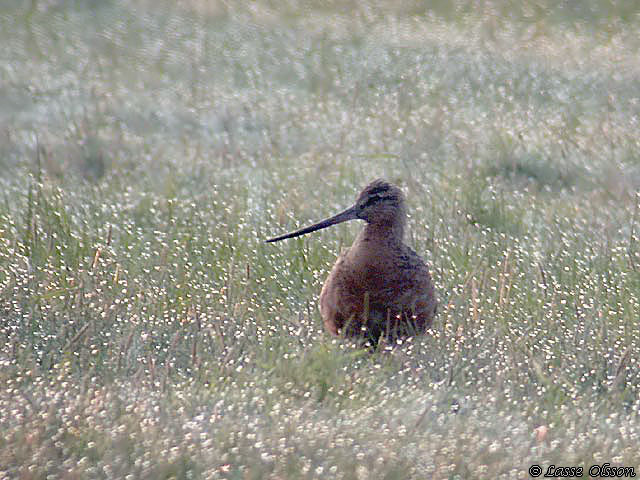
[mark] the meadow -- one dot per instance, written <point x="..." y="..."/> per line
<point x="147" y="150"/>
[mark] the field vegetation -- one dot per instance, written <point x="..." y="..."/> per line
<point x="147" y="149"/>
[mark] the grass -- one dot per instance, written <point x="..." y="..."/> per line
<point x="147" y="150"/>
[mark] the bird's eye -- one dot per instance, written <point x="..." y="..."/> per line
<point x="371" y="200"/>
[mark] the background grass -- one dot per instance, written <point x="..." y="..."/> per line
<point x="148" y="148"/>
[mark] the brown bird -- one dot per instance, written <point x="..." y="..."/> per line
<point x="379" y="286"/>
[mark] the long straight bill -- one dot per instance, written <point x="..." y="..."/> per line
<point x="348" y="214"/>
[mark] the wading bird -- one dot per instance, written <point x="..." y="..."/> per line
<point x="379" y="286"/>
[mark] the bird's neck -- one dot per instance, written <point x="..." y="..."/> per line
<point x="386" y="232"/>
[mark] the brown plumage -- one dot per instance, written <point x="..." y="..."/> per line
<point x="379" y="286"/>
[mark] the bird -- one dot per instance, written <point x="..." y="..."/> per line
<point x="379" y="287"/>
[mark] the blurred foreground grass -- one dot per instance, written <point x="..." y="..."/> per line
<point x="148" y="148"/>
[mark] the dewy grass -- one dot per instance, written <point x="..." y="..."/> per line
<point x="147" y="151"/>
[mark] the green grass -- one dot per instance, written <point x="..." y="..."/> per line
<point x="147" y="150"/>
